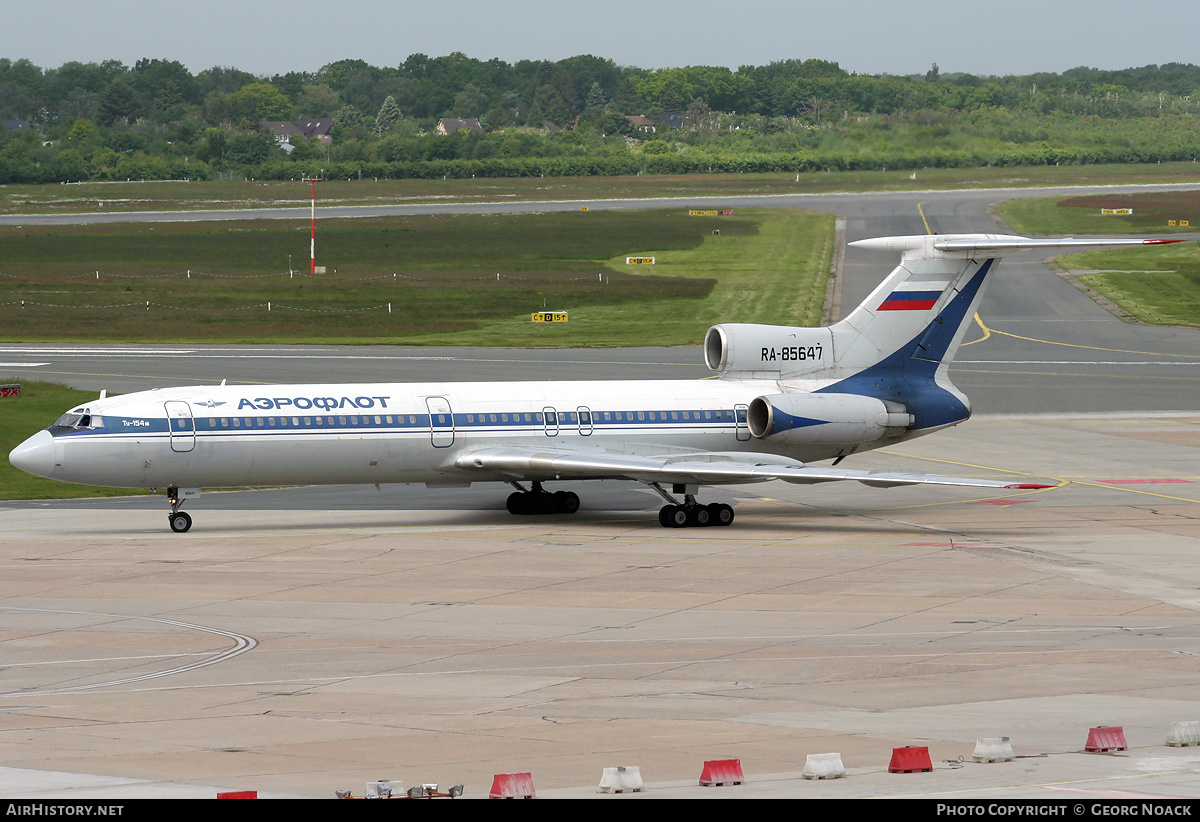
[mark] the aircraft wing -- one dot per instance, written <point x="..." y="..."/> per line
<point x="707" y="468"/>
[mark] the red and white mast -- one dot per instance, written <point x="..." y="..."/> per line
<point x="312" y="242"/>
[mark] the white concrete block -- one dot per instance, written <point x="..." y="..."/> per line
<point x="621" y="779"/>
<point x="993" y="749"/>
<point x="823" y="766"/>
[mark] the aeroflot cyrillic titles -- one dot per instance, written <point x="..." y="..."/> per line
<point x="305" y="403"/>
<point x="785" y="398"/>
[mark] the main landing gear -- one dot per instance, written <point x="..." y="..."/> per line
<point x="690" y="513"/>
<point x="537" y="501"/>
<point x="180" y="521"/>
<point x="694" y="514"/>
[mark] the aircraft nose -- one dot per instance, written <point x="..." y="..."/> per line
<point x="35" y="455"/>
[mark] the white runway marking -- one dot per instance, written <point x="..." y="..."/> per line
<point x="242" y="644"/>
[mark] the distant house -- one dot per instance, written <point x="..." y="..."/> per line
<point x="15" y="125"/>
<point x="281" y="130"/>
<point x="316" y="127"/>
<point x="671" y="120"/>
<point x="550" y="127"/>
<point x="642" y="123"/>
<point x="449" y="125"/>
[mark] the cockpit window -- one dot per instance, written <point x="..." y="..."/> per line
<point x="75" y="419"/>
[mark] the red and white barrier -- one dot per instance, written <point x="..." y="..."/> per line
<point x="910" y="760"/>
<point x="1104" y="738"/>
<point x="722" y="772"/>
<point x="512" y="786"/>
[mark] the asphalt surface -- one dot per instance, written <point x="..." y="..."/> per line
<point x="1042" y="345"/>
<point x="303" y="640"/>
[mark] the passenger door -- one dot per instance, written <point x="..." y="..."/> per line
<point x="181" y="425"/>
<point x="441" y="422"/>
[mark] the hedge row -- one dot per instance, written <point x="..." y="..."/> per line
<point x="1035" y="154"/>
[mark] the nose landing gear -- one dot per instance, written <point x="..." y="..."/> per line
<point x="180" y="521"/>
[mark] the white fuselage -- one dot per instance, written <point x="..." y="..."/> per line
<point x="387" y="432"/>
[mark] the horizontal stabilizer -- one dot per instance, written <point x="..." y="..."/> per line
<point x="928" y="246"/>
<point x="1024" y="243"/>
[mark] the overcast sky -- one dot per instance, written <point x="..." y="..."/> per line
<point x="865" y="36"/>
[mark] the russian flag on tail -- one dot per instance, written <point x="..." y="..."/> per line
<point x="912" y="297"/>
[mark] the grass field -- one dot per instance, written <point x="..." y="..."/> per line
<point x="171" y="195"/>
<point x="1152" y="213"/>
<point x="39" y="405"/>
<point x="467" y="279"/>
<point x="1159" y="286"/>
<point x="1171" y="295"/>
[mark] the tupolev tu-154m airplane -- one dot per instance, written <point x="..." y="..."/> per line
<point x="784" y="398"/>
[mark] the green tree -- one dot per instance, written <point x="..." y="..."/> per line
<point x="83" y="132"/>
<point x="388" y="116"/>
<point x="317" y="100"/>
<point x="249" y="149"/>
<point x="348" y="117"/>
<point x="15" y="101"/>
<point x="470" y="102"/>
<point x="262" y="101"/>
<point x="596" y="99"/>
<point x="547" y="104"/>
<point x="165" y="83"/>
<point x="119" y="102"/>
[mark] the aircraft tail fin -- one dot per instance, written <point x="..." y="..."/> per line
<point x="896" y="345"/>
<point x="923" y="308"/>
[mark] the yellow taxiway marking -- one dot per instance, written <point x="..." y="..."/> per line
<point x="921" y="211"/>
<point x="1061" y="480"/>
<point x="989" y="331"/>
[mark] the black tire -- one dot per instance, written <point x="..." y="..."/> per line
<point x="679" y="516"/>
<point x="566" y="502"/>
<point x="180" y="522"/>
<point x="699" y="516"/>
<point x="664" y="516"/>
<point x="517" y="503"/>
<point x="721" y="513"/>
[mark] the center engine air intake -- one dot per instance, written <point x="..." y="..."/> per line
<point x="768" y="351"/>
<point x="826" y="418"/>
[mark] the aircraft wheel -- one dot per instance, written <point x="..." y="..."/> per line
<point x="664" y="515"/>
<point x="699" y="516"/>
<point x="566" y="502"/>
<point x="677" y="516"/>
<point x="720" y="513"/>
<point x="180" y="522"/>
<point x="517" y="503"/>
